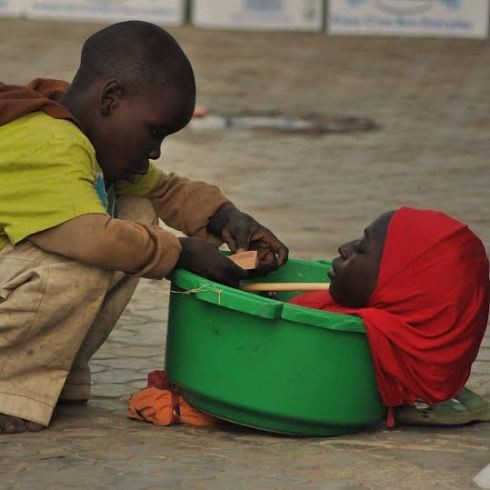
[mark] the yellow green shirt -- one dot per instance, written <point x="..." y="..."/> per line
<point x="49" y="174"/>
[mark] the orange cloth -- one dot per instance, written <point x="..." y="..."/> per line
<point x="161" y="404"/>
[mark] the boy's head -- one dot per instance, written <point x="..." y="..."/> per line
<point x="355" y="272"/>
<point x="134" y="87"/>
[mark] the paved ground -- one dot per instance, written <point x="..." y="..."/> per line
<point x="430" y="99"/>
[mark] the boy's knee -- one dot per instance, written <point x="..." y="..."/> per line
<point x="135" y="208"/>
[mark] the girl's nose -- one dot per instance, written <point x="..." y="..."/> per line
<point x="345" y="250"/>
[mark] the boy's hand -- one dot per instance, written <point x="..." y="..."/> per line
<point x="241" y="232"/>
<point x="204" y="259"/>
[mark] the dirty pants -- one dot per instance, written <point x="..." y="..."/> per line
<point x="54" y="314"/>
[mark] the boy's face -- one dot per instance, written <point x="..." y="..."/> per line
<point x="355" y="272"/>
<point x="129" y="130"/>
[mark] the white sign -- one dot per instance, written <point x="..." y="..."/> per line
<point x="445" y="18"/>
<point x="161" y="11"/>
<point x="306" y="15"/>
<point x="11" y="7"/>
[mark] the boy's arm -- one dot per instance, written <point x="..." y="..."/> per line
<point x="139" y="249"/>
<point x="184" y="204"/>
<point x="113" y="244"/>
<point x="199" y="209"/>
<point x="187" y="205"/>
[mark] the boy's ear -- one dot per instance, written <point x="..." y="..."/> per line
<point x="112" y="92"/>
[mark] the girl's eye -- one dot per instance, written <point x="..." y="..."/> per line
<point x="359" y="246"/>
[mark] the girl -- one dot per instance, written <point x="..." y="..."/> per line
<point x="420" y="281"/>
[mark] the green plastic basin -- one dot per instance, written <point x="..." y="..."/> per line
<point x="263" y="363"/>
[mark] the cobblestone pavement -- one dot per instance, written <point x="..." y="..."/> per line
<point x="431" y="101"/>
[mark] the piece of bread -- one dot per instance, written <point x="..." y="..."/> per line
<point x="246" y="260"/>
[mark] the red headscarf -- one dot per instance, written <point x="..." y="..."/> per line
<point x="427" y="316"/>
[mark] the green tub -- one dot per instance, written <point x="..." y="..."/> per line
<point x="267" y="364"/>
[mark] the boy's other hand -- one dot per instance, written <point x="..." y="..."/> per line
<point x="241" y="232"/>
<point x="204" y="259"/>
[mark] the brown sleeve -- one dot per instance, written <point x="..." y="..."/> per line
<point x="109" y="243"/>
<point x="187" y="205"/>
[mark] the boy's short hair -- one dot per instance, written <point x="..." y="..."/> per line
<point x="136" y="53"/>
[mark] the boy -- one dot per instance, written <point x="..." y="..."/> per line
<point x="67" y="266"/>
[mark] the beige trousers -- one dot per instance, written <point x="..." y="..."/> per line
<point x="54" y="315"/>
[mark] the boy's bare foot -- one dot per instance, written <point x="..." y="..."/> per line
<point x="11" y="425"/>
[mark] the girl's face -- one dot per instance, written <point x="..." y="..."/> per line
<point x="355" y="272"/>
